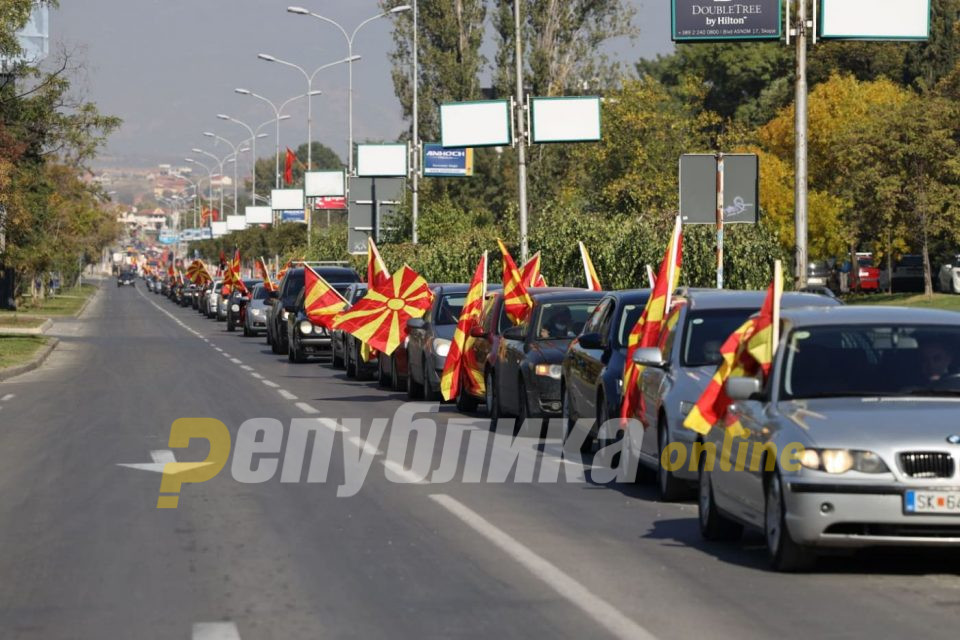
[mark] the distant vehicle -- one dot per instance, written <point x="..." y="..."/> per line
<point x="213" y="298"/>
<point x="237" y="305"/>
<point x="286" y="301"/>
<point x="305" y="338"/>
<point x="255" y="319"/>
<point x="428" y="340"/>
<point x="524" y="381"/>
<point x="819" y="273"/>
<point x="866" y="276"/>
<point x="866" y="398"/>
<point x="347" y="346"/>
<point x="949" y="276"/>
<point x="908" y="274"/>
<point x="127" y="279"/>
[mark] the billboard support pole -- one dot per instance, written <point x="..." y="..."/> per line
<point x="415" y="181"/>
<point x="521" y="133"/>
<point x="719" y="220"/>
<point x="800" y="187"/>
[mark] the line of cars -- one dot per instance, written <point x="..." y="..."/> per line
<point x="864" y="399"/>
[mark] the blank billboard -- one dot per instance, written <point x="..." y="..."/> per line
<point x="236" y="223"/>
<point x="875" y="19"/>
<point x="475" y="124"/>
<point x="259" y="215"/>
<point x="382" y="160"/>
<point x="286" y="199"/>
<point x="324" y="184"/>
<point x="565" y="119"/>
<point x="218" y="229"/>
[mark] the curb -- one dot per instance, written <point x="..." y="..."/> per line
<point x="39" y="359"/>
<point x="30" y="331"/>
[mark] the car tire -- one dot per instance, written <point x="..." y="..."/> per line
<point x="414" y="390"/>
<point x="523" y="408"/>
<point x="246" y="332"/>
<point x="429" y="393"/>
<point x="336" y="361"/>
<point x="569" y="423"/>
<point x="713" y="524"/>
<point x="274" y="347"/>
<point x="383" y="376"/>
<point x="492" y="401"/>
<point x="231" y="327"/>
<point x="466" y="403"/>
<point x="394" y="375"/>
<point x="295" y="353"/>
<point x="783" y="553"/>
<point x="348" y="360"/>
<point x="669" y="487"/>
<point x="362" y="372"/>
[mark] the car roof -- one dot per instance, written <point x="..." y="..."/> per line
<point x="565" y="295"/>
<point x="629" y="295"/>
<point x="868" y="314"/>
<point x="706" y="299"/>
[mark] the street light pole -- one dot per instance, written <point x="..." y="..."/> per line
<point x="279" y="118"/>
<point x="209" y="178"/>
<point x="220" y="163"/>
<point x="521" y="134"/>
<point x="800" y="187"/>
<point x="253" y="146"/>
<point x="415" y="182"/>
<point x="236" y="155"/>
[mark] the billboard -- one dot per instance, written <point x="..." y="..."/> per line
<point x="726" y="20"/>
<point x="218" y="229"/>
<point x="565" y="119"/>
<point x="332" y="203"/>
<point x="875" y="19"/>
<point x="443" y="162"/>
<point x="319" y="184"/>
<point x="484" y="123"/>
<point x="292" y="215"/>
<point x="206" y="233"/>
<point x="259" y="215"/>
<point x="698" y="188"/>
<point x="286" y="199"/>
<point x="382" y="160"/>
<point x="236" y="223"/>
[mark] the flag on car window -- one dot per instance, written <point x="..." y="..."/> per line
<point x="321" y="302"/>
<point x="455" y="367"/>
<point x="268" y="284"/>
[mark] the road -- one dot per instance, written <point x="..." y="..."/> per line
<point x="85" y="553"/>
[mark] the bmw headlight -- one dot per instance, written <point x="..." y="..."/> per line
<point x="549" y="370"/>
<point x="306" y="327"/>
<point x="256" y="312"/>
<point x="235" y="308"/>
<point x="441" y="347"/>
<point x="837" y="461"/>
<point x="284" y="315"/>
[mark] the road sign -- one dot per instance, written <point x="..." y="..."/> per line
<point x="698" y="188"/>
<point x="726" y="20"/>
<point x="442" y="162"/>
<point x="484" y="123"/>
<point x="574" y="119"/>
<point x="292" y="215"/>
<point x="373" y="206"/>
<point x="382" y="161"/>
<point x="875" y="19"/>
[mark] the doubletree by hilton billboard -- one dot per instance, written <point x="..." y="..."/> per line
<point x="726" y="20"/>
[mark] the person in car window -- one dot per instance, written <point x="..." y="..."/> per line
<point x="936" y="360"/>
<point x="559" y="324"/>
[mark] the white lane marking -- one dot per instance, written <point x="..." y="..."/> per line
<point x="303" y="406"/>
<point x="286" y="394"/>
<point x="235" y="361"/>
<point x="219" y="349"/>
<point x="272" y="385"/>
<point x="162" y="456"/>
<point x="408" y="476"/>
<point x="330" y="424"/>
<point x="215" y="631"/>
<point x="7" y="397"/>
<point x="368" y="448"/>
<point x="580" y="596"/>
<point x="227" y="355"/>
<point x="256" y="375"/>
<point x="246" y="367"/>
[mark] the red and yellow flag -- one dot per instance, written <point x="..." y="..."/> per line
<point x="268" y="284"/>
<point x="516" y="301"/>
<point x="647" y="329"/>
<point x="377" y="273"/>
<point x="455" y="366"/>
<point x="198" y="274"/>
<point x="170" y="270"/>
<point x="321" y="302"/>
<point x="747" y="352"/>
<point x="231" y="279"/>
<point x="531" y="275"/>
<point x="593" y="282"/>
<point x="380" y="317"/>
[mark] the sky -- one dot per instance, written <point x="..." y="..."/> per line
<point x="168" y="67"/>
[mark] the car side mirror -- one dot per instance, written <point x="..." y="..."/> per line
<point x="591" y="341"/>
<point x="515" y="333"/>
<point x="416" y="323"/>
<point x="476" y="331"/>
<point x="742" y="388"/>
<point x="649" y="357"/>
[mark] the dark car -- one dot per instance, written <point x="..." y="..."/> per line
<point x="338" y="347"/>
<point x="127" y="279"/>
<point x="592" y="369"/>
<point x="347" y="349"/>
<point x="286" y="300"/>
<point x="428" y="340"/>
<point x="525" y="379"/>
<point x="305" y="338"/>
<point x="237" y="304"/>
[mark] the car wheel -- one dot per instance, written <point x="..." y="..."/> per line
<point x="713" y="524"/>
<point x="295" y="353"/>
<point x="523" y="412"/>
<point x="348" y="358"/>
<point x="394" y="375"/>
<point x="362" y="372"/>
<point x="669" y="487"/>
<point x="337" y="356"/>
<point x="429" y="393"/>
<point x="784" y="554"/>
<point x="383" y="376"/>
<point x="274" y="347"/>
<point x="230" y="324"/>
<point x="414" y="390"/>
<point x="570" y="423"/>
<point x="493" y="403"/>
<point x="246" y="332"/>
<point x="466" y="403"/>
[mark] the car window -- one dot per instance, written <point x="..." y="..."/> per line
<point x="562" y="320"/>
<point x="599" y="316"/>
<point x="629" y="316"/>
<point x="448" y="308"/>
<point x="292" y="286"/>
<point x="260" y="293"/>
<point x="668" y="333"/>
<point x="486" y="319"/>
<point x="706" y="331"/>
<point x="876" y="360"/>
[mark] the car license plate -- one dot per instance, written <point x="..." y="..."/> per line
<point x="945" y="502"/>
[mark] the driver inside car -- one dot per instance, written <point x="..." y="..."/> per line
<point x="558" y="325"/>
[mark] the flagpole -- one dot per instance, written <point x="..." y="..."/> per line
<point x="672" y="267"/>
<point x="777" y="295"/>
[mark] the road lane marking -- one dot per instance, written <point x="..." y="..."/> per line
<point x="8" y="397"/>
<point x="256" y="375"/>
<point x="303" y="406"/>
<point x="580" y="596"/>
<point x="215" y="631"/>
<point x="246" y="367"/>
<point x="219" y="349"/>
<point x="368" y="448"/>
<point x="286" y="394"/>
<point x="408" y="476"/>
<point x="227" y="355"/>
<point x="236" y="361"/>
<point x="270" y="384"/>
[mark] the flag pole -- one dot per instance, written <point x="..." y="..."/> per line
<point x="672" y="267"/>
<point x="777" y="295"/>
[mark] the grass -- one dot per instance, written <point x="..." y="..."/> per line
<point x="15" y="321"/>
<point x="16" y="350"/>
<point x="937" y="301"/>
<point x="68" y="303"/>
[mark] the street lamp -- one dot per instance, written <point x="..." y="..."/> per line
<point x="236" y="154"/>
<point x="220" y="162"/>
<point x="209" y="176"/>
<point x="277" y="112"/>
<point x="300" y="11"/>
<point x="310" y="93"/>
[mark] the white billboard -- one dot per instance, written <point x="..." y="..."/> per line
<point x="565" y="119"/>
<point x="236" y="223"/>
<point x="382" y="160"/>
<point x="286" y="199"/>
<point x="218" y="228"/>
<point x="324" y="184"/>
<point x="259" y="215"/>
<point x="475" y="124"/>
<point x="875" y="19"/>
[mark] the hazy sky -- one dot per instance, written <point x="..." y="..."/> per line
<point x="168" y="67"/>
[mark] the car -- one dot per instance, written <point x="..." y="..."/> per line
<point x="190" y="290"/>
<point x="908" y="274"/>
<point x="949" y="276"/>
<point x="255" y="319"/>
<point x="679" y="369"/>
<point x="525" y="380"/>
<point x="591" y="378"/>
<point x="819" y="272"/>
<point x="213" y="298"/>
<point x="861" y="406"/>
<point x="350" y="348"/>
<point x="286" y="301"/>
<point x="237" y="304"/>
<point x="127" y="279"/>
<point x="338" y="345"/>
<point x="305" y="338"/>
<point x="428" y="340"/>
<point x="223" y="304"/>
<point x="866" y="277"/>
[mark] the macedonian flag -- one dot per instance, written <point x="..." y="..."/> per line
<point x="198" y="274"/>
<point x="516" y="301"/>
<point x="231" y="279"/>
<point x="268" y="283"/>
<point x="593" y="282"/>
<point x="380" y="317"/>
<point x="321" y="302"/>
<point x="531" y="274"/>
<point x="455" y="367"/>
<point x="377" y="273"/>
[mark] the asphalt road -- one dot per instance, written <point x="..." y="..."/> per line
<point x="84" y="553"/>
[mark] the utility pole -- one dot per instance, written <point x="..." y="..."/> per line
<point x="521" y="133"/>
<point x="415" y="184"/>
<point x="800" y="191"/>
